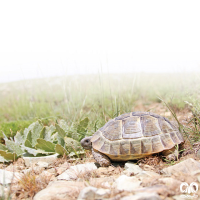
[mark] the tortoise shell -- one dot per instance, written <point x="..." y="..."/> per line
<point x="135" y="135"/>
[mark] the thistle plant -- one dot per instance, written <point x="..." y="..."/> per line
<point x="40" y="140"/>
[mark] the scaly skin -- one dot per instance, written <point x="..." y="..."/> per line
<point x="102" y="159"/>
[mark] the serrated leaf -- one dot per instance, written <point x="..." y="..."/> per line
<point x="4" y="136"/>
<point x="61" y="132"/>
<point x="83" y="125"/>
<point x="36" y="132"/>
<point x="33" y="151"/>
<point x="18" y="138"/>
<point x="60" y="140"/>
<point x="42" y="133"/>
<point x="8" y="155"/>
<point x="76" y="154"/>
<point x="48" y="133"/>
<point x="27" y="143"/>
<point x="60" y="150"/>
<point x="29" y="137"/>
<point x="13" y="147"/>
<point x="45" y="145"/>
<point x="84" y="122"/>
<point x="3" y="147"/>
<point x="63" y="124"/>
<point x="72" y="145"/>
<point x="2" y="159"/>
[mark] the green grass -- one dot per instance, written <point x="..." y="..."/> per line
<point x="99" y="97"/>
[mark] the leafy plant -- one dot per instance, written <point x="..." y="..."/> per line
<point x="37" y="140"/>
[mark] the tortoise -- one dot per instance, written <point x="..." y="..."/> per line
<point x="132" y="136"/>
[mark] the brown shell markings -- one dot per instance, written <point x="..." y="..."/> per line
<point x="135" y="135"/>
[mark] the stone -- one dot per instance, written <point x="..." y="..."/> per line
<point x="198" y="154"/>
<point x="30" y="161"/>
<point x="178" y="197"/>
<point x="185" y="167"/>
<point x="148" y="168"/>
<point x="132" y="167"/>
<point x="105" y="182"/>
<point x="62" y="168"/>
<point x="147" y="174"/>
<point x="52" y="171"/>
<point x="197" y="174"/>
<point x="142" y="196"/>
<point x="93" y="193"/>
<point x="35" y="169"/>
<point x="7" y="177"/>
<point x="160" y="189"/>
<point x="170" y="181"/>
<point x="46" y="174"/>
<point x="75" y="171"/>
<point x="60" y="190"/>
<point x="42" y="164"/>
<point x="127" y="183"/>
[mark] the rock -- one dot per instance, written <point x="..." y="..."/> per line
<point x="78" y="170"/>
<point x="132" y="167"/>
<point x="52" y="171"/>
<point x="178" y="197"/>
<point x="108" y="171"/>
<point x="143" y="196"/>
<point x="148" y="168"/>
<point x="198" y="154"/>
<point x="93" y="193"/>
<point x="35" y="169"/>
<point x="7" y="177"/>
<point x="42" y="164"/>
<point x="30" y="161"/>
<point x="197" y="174"/>
<point x="185" y="167"/>
<point x="147" y="174"/>
<point x="60" y="190"/>
<point x="127" y="183"/>
<point x="170" y="181"/>
<point x="102" y="182"/>
<point x="62" y="168"/>
<point x="46" y="174"/>
<point x="160" y="189"/>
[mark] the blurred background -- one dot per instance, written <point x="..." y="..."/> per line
<point x="97" y="60"/>
<point x="28" y="64"/>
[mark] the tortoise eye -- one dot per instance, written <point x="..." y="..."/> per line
<point x="87" y="141"/>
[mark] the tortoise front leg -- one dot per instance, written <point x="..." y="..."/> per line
<point x="102" y="159"/>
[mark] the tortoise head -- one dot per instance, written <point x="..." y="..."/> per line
<point x="86" y="143"/>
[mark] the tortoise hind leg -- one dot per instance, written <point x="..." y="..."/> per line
<point x="170" y="154"/>
<point x="102" y="159"/>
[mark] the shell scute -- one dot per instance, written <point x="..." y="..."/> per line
<point x="165" y="126"/>
<point x="125" y="147"/>
<point x="105" y="147"/>
<point x="113" y="131"/>
<point x="123" y="116"/>
<point x="146" y="145"/>
<point x="135" y="147"/>
<point x="97" y="144"/>
<point x="150" y="126"/>
<point x="114" y="148"/>
<point x="139" y="113"/>
<point x="131" y="128"/>
<point x="167" y="141"/>
<point x="157" y="144"/>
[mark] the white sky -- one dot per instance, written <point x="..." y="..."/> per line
<point x="17" y="65"/>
